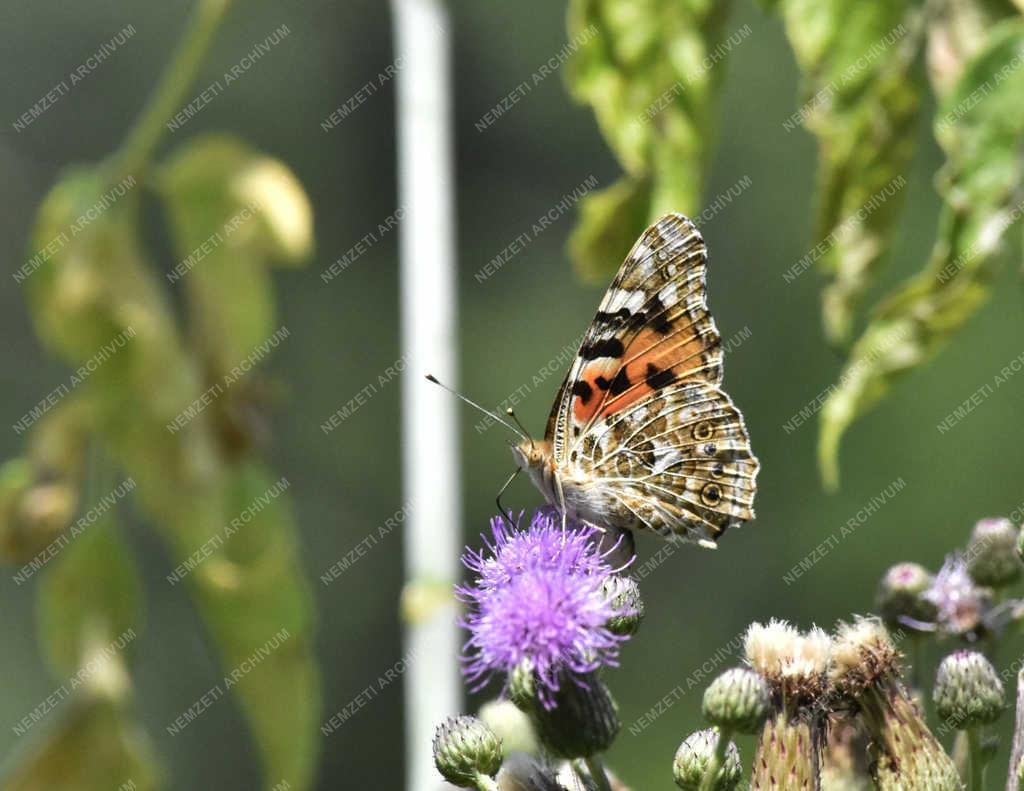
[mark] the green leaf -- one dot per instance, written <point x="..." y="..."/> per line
<point x="980" y="125"/>
<point x="90" y="595"/>
<point x="861" y="95"/>
<point x="650" y="69"/>
<point x="89" y="621"/>
<point x="93" y="747"/>
<point x="957" y="29"/>
<point x="234" y="212"/>
<point x="608" y="219"/>
<point x="192" y="479"/>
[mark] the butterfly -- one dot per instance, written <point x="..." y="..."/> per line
<point x="641" y="435"/>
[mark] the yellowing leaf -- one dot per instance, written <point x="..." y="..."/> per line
<point x="861" y="96"/>
<point x="650" y="69"/>
<point x="980" y="125"/>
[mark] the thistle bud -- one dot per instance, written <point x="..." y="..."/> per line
<point x="737" y="701"/>
<point x="583" y="722"/>
<point x="992" y="553"/>
<point x="900" y="595"/>
<point x="968" y="691"/>
<point x="628" y="607"/>
<point x="465" y="749"/>
<point x="695" y="758"/>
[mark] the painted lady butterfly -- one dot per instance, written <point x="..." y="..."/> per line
<point x="641" y="435"/>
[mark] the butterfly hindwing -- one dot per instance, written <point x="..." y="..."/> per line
<point x="678" y="463"/>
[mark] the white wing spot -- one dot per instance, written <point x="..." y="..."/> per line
<point x="664" y="458"/>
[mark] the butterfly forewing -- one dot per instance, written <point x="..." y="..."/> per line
<point x="640" y="417"/>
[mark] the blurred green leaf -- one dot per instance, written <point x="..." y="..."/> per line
<point x="860" y="99"/>
<point x="957" y="29"/>
<point x="189" y="480"/>
<point x="608" y="222"/>
<point x="93" y="747"/>
<point x="234" y="212"/>
<point x="650" y="69"/>
<point x="980" y="126"/>
<point x="90" y="592"/>
<point x="89" y="620"/>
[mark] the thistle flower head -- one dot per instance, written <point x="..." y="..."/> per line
<point x="862" y="655"/>
<point x="900" y="598"/>
<point x="790" y="661"/>
<point x="959" y="602"/>
<point x="992" y="553"/>
<point x="968" y="691"/>
<point x="538" y="597"/>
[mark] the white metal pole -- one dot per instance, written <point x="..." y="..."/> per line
<point x="430" y="441"/>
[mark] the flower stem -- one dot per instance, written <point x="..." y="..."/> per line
<point x="597" y="773"/>
<point x="170" y="93"/>
<point x="976" y="760"/>
<point x="1017" y="748"/>
<point x="717" y="760"/>
<point x="485" y="783"/>
<point x="916" y="658"/>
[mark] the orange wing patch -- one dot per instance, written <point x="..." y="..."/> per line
<point x="653" y="360"/>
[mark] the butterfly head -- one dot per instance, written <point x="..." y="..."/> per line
<point x="534" y="456"/>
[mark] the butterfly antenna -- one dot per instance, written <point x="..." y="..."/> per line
<point x="511" y="413"/>
<point x="475" y="405"/>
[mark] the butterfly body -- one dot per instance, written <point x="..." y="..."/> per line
<point x="641" y="436"/>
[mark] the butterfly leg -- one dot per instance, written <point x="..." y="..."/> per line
<point x="501" y="509"/>
<point x="561" y="504"/>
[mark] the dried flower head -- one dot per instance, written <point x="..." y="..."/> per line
<point x="765" y="645"/>
<point x="865" y="673"/>
<point x="862" y="655"/>
<point x="538" y="597"/>
<point x="790" y="661"/>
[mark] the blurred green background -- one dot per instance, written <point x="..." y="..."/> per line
<point x="345" y="334"/>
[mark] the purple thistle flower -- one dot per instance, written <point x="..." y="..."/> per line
<point x="960" y="603"/>
<point x="537" y="596"/>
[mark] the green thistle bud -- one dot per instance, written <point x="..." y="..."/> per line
<point x="737" y="701"/>
<point x="582" y="723"/>
<point x="968" y="691"/>
<point x="900" y="595"/>
<point x="465" y="749"/>
<point x="624" y="595"/>
<point x="992" y="558"/>
<point x="695" y="757"/>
